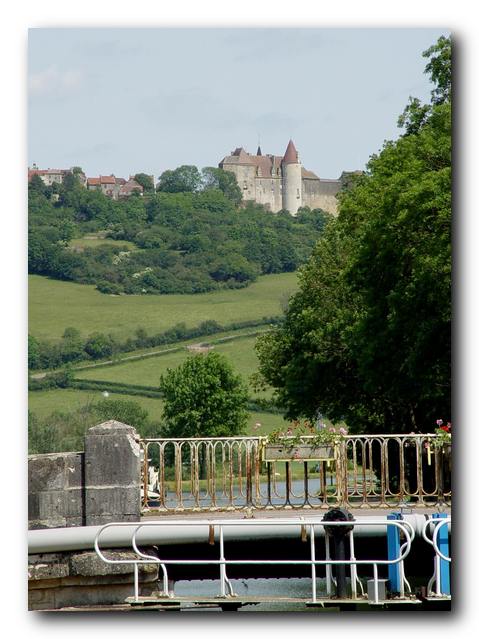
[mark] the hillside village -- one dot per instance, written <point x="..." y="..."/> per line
<point x="277" y="182"/>
<point x="110" y="185"/>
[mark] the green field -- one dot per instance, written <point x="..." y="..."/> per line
<point x="43" y="403"/>
<point x="94" y="242"/>
<point x="146" y="372"/>
<point x="55" y="305"/>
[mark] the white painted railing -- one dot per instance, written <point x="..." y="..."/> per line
<point x="307" y="526"/>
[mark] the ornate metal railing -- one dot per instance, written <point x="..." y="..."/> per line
<point x="229" y="473"/>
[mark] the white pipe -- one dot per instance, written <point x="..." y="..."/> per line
<point x="83" y="537"/>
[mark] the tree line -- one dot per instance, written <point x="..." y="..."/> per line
<point x="45" y="354"/>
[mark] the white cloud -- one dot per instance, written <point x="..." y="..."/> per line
<point x="52" y="81"/>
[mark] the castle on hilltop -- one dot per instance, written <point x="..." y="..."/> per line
<point x="281" y="182"/>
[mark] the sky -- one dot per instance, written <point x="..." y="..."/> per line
<point x="124" y="101"/>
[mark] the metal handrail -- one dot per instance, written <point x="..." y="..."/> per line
<point x="436" y="577"/>
<point x="222" y="562"/>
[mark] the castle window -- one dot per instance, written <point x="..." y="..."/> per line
<point x="297" y="193"/>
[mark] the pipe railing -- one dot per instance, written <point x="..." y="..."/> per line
<point x="310" y="525"/>
<point x="438" y="555"/>
<point x="228" y="473"/>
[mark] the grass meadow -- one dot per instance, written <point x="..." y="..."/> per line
<point x="94" y="242"/>
<point x="146" y="372"/>
<point x="43" y="403"/>
<point x="55" y="305"/>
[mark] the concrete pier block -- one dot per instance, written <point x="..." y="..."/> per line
<point x="112" y="474"/>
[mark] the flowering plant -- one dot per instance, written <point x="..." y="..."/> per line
<point x="292" y="437"/>
<point x="443" y="434"/>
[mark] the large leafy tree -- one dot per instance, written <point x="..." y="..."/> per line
<point x="146" y="181"/>
<point x="224" y="181"/>
<point x="184" y="179"/>
<point x="367" y="337"/>
<point x="204" y="398"/>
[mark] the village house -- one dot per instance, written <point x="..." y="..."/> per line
<point x="114" y="187"/>
<point x="109" y="185"/>
<point x="52" y="176"/>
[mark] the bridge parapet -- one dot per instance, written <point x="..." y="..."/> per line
<point x="93" y="487"/>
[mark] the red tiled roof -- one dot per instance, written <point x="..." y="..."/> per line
<point x="291" y="155"/>
<point x="107" y="179"/>
<point x="93" y="181"/>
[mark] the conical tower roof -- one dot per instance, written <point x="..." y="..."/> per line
<point x="291" y="155"/>
<point x="258" y="152"/>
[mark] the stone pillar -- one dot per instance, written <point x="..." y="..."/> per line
<point x="112" y="474"/>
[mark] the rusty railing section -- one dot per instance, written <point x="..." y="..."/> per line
<point x="228" y="473"/>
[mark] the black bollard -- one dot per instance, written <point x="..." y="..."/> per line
<point x="339" y="535"/>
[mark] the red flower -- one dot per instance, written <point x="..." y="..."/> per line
<point x="446" y="429"/>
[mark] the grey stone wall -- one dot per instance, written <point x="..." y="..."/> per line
<point x="91" y="488"/>
<point x="321" y="194"/>
<point x="55" y="490"/>
<point x="59" y="580"/>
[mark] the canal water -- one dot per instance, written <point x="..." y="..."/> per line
<point x="296" y="496"/>
<point x="300" y="588"/>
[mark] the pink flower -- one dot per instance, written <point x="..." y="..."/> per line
<point x="439" y="422"/>
<point x="343" y="431"/>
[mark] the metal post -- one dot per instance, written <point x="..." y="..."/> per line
<point x="306" y="486"/>
<point x="136" y="580"/>
<point x="354" y="572"/>
<point x="287" y="483"/>
<point x="393" y="542"/>
<point x="329" y="571"/>
<point x="376" y="589"/>
<point x="339" y="534"/>
<point x="222" y="565"/>
<point x="313" y="559"/>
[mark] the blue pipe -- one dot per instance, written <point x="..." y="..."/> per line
<point x="394" y="545"/>
<point x="443" y="545"/>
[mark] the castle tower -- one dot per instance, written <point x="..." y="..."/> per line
<point x="291" y="170"/>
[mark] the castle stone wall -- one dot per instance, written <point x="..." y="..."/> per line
<point x="280" y="182"/>
<point x="269" y="192"/>
<point x="321" y="194"/>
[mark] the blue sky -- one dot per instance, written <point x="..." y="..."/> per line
<point x="128" y="100"/>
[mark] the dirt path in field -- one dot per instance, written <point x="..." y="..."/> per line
<point x="199" y="347"/>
